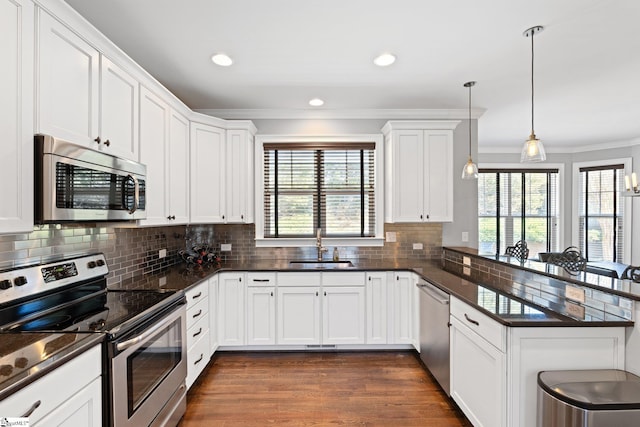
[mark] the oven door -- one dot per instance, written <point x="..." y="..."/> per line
<point x="148" y="372"/>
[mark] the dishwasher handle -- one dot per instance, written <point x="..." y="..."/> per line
<point x="435" y="293"/>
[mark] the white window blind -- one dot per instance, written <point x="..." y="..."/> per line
<point x="601" y="209"/>
<point x="328" y="187"/>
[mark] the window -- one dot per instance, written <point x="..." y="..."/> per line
<point x="319" y="186"/>
<point x="601" y="213"/>
<point x="517" y="204"/>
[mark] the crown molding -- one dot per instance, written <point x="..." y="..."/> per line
<point x="347" y="114"/>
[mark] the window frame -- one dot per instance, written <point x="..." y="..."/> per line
<point x="575" y="208"/>
<point x="377" y="240"/>
<point x="529" y="166"/>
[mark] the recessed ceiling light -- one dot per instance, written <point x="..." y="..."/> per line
<point x="316" y="102"/>
<point x="384" y="60"/>
<point x="221" y="59"/>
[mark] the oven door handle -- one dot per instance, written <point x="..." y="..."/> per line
<point x="140" y="338"/>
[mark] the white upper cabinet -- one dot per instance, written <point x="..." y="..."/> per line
<point x="240" y="172"/>
<point x="178" y="168"/>
<point x="118" y="111"/>
<point x="154" y="131"/>
<point x="16" y="115"/>
<point x="68" y="78"/>
<point x="81" y="96"/>
<point x="419" y="171"/>
<point x="207" y="173"/>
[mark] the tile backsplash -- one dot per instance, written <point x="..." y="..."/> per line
<point x="133" y="251"/>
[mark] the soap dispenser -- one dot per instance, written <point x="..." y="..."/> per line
<point x="336" y="255"/>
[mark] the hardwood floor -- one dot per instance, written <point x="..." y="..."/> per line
<point x="318" y="389"/>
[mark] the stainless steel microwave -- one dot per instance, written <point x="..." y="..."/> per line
<point x="74" y="183"/>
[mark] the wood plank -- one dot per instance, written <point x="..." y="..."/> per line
<point x="318" y="389"/>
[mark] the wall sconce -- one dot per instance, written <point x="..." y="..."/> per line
<point x="631" y="185"/>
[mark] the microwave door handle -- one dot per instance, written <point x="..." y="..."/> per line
<point x="136" y="193"/>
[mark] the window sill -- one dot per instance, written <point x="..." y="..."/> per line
<point x="326" y="242"/>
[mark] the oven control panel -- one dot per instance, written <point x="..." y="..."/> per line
<point x="23" y="282"/>
<point x="60" y="271"/>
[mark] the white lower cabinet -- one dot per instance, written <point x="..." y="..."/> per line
<point x="478" y="373"/>
<point x="198" y="345"/>
<point x="66" y="398"/>
<point x="404" y="309"/>
<point x="343" y="308"/>
<point x="376" y="309"/>
<point x="494" y="367"/>
<point x="298" y="315"/>
<point x="213" y="314"/>
<point x="231" y="309"/>
<point x="261" y="309"/>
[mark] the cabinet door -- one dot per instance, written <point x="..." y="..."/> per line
<point x="207" y="174"/>
<point x="154" y="129"/>
<point x="239" y="184"/>
<point x="16" y="116"/>
<point x="438" y="176"/>
<point x="231" y="309"/>
<point x="298" y="315"/>
<point x="376" y="308"/>
<point x="213" y="313"/>
<point x="83" y="409"/>
<point x="68" y="90"/>
<point x="343" y="315"/>
<point x="178" y="171"/>
<point x="261" y="315"/>
<point x="403" y="291"/>
<point x="118" y="111"/>
<point x="408" y="176"/>
<point x="478" y="377"/>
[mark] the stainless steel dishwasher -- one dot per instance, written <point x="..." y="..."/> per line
<point x="434" y="332"/>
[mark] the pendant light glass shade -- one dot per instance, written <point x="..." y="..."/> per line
<point x="470" y="169"/>
<point x="533" y="150"/>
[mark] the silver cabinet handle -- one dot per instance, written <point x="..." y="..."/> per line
<point x="32" y="409"/>
<point x="470" y="320"/>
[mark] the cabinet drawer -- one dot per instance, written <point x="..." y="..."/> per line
<point x="197" y="330"/>
<point x="480" y="323"/>
<point x="197" y="312"/>
<point x="261" y="279"/>
<point x="197" y="294"/>
<point x="54" y="388"/>
<point x="352" y="278"/>
<point x="197" y="358"/>
<point x="299" y="279"/>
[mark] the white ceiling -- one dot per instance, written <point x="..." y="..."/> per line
<point x="587" y="60"/>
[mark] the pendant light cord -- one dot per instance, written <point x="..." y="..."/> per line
<point x="532" y="92"/>
<point x="469" y="121"/>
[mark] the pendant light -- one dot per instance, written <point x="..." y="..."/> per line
<point x="533" y="150"/>
<point x="470" y="169"/>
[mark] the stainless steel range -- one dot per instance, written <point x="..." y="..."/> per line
<point x="144" y="335"/>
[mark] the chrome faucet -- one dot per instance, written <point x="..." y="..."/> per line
<point x="321" y="248"/>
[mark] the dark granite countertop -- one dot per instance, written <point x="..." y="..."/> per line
<point x="624" y="288"/>
<point x="504" y="308"/>
<point x="26" y="357"/>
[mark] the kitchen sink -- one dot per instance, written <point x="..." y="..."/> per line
<point x="320" y="265"/>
